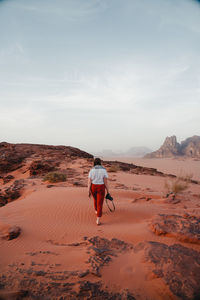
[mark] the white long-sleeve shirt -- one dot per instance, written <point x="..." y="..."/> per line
<point x="97" y="174"/>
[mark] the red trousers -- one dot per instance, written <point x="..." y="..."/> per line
<point x="98" y="193"/>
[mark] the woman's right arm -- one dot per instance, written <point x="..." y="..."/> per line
<point x="106" y="184"/>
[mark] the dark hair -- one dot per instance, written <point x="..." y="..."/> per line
<point x="97" y="161"/>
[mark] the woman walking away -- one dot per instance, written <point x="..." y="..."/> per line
<point x="97" y="183"/>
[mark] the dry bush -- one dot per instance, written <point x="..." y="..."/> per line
<point x="176" y="186"/>
<point x="113" y="168"/>
<point x="186" y="177"/>
<point x="55" y="177"/>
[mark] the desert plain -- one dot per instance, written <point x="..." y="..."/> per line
<point x="51" y="247"/>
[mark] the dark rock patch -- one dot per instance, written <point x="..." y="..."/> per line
<point x="40" y="167"/>
<point x="13" y="233"/>
<point x="50" y="186"/>
<point x="185" y="228"/>
<point x="102" y="250"/>
<point x="11" y="193"/>
<point x="178" y="266"/>
<point x="8" y="178"/>
<point x="10" y="159"/>
<point x="89" y="290"/>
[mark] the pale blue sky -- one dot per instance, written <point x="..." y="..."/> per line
<point x="99" y="74"/>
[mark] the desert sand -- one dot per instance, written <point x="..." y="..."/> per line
<point x="62" y="254"/>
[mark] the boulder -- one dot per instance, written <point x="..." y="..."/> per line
<point x="12" y="233"/>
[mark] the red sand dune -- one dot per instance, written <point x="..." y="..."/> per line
<point x="57" y="224"/>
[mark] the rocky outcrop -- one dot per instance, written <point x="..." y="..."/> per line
<point x="10" y="159"/>
<point x="66" y="284"/>
<point x="7" y="178"/>
<point x="40" y="167"/>
<point x="102" y="250"/>
<point x="171" y="148"/>
<point x="12" y="192"/>
<point x="89" y="290"/>
<point x="12" y="156"/>
<point x="191" y="147"/>
<point x="178" y="266"/>
<point x="184" y="228"/>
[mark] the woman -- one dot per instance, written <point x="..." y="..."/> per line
<point x="97" y="183"/>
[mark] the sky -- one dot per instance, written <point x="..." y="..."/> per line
<point x="99" y="74"/>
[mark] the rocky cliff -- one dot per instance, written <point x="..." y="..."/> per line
<point x="171" y="148"/>
<point x="191" y="147"/>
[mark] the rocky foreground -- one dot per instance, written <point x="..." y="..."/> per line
<point x="177" y="265"/>
<point x="51" y="248"/>
<point x="35" y="161"/>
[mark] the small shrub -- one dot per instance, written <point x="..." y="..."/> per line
<point x="186" y="177"/>
<point x="55" y="177"/>
<point x="113" y="168"/>
<point x="175" y="186"/>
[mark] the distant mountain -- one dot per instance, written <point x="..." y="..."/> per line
<point x="191" y="147"/>
<point x="132" y="152"/>
<point x="171" y="148"/>
<point x="137" y="151"/>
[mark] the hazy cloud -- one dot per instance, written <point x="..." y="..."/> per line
<point x="99" y="74"/>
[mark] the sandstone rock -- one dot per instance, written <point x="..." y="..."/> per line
<point x="6" y="179"/>
<point x="184" y="228"/>
<point x="10" y="161"/>
<point x="83" y="274"/>
<point x="14" y="191"/>
<point x="102" y="252"/>
<point x="191" y="147"/>
<point x="89" y="290"/>
<point x="40" y="167"/>
<point x="11" y="193"/>
<point x="170" y="148"/>
<point x="3" y="199"/>
<point x="178" y="266"/>
<point x="13" y="233"/>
